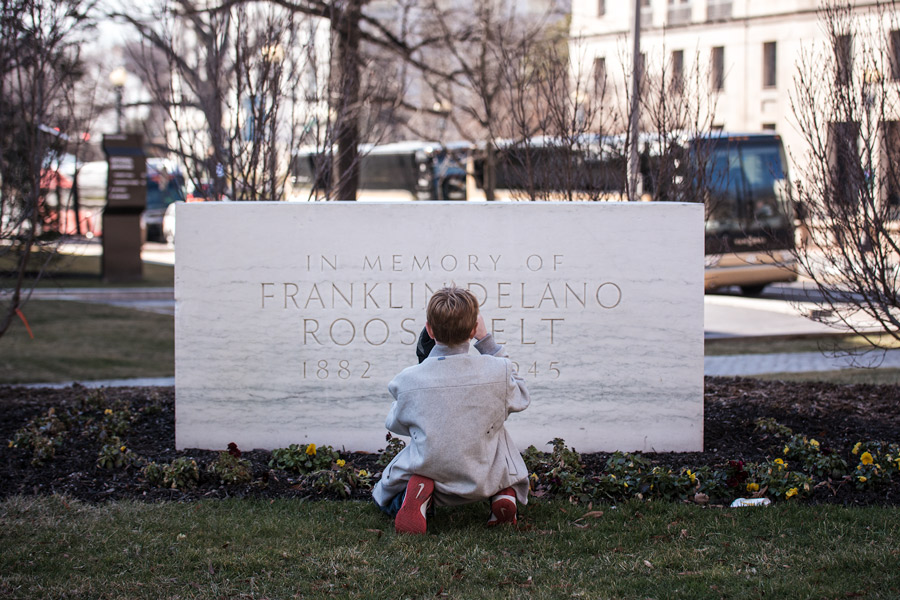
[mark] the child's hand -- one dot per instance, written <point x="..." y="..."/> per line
<point x="480" y="329"/>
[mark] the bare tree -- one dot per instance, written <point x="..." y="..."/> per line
<point x="40" y="66"/>
<point x="849" y="197"/>
<point x="265" y="78"/>
<point x="569" y="128"/>
<point x="475" y="64"/>
<point x="229" y="84"/>
<point x="677" y="109"/>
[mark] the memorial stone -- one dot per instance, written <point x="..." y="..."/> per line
<point x="291" y="319"/>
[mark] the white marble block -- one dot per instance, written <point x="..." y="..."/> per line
<point x="291" y="319"/>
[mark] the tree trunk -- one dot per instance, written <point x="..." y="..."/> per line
<point x="347" y="124"/>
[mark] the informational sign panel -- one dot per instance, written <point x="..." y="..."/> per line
<point x="126" y="182"/>
<point x="126" y="198"/>
<point x="291" y="319"/>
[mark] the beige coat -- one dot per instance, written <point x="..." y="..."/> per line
<point x="453" y="407"/>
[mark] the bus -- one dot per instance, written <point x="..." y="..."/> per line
<point x="749" y="212"/>
<point x="400" y="171"/>
<point x="741" y="178"/>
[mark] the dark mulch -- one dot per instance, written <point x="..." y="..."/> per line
<point x="838" y="416"/>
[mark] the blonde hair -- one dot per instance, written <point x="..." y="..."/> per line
<point x="452" y="313"/>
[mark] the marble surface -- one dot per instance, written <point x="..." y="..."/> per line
<point x="291" y="319"/>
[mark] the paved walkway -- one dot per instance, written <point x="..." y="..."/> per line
<point x="801" y="362"/>
<point x="158" y="300"/>
<point x="725" y="316"/>
<point x="138" y="382"/>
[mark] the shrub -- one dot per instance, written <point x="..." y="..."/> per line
<point x="559" y="472"/>
<point x="115" y="455"/>
<point x="770" y="425"/>
<point x="42" y="435"/>
<point x="303" y="458"/>
<point x="775" y="478"/>
<point x="393" y="448"/>
<point x="342" y="479"/>
<point x="231" y="469"/>
<point x="814" y="459"/>
<point x="181" y="474"/>
<point x="878" y="461"/>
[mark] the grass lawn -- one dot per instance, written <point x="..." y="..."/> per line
<point x="66" y="270"/>
<point x="870" y="376"/>
<point x="80" y="341"/>
<point x="55" y="548"/>
<point x="779" y="345"/>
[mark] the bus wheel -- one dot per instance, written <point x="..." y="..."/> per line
<point x="753" y="290"/>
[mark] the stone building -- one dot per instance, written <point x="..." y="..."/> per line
<point x="749" y="53"/>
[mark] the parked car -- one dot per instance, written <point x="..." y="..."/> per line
<point x="165" y="186"/>
<point x="168" y="224"/>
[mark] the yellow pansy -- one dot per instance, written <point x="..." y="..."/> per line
<point x="786" y="449"/>
<point x="692" y="476"/>
<point x="866" y="458"/>
<point x="856" y="448"/>
<point x="341" y="462"/>
<point x="108" y="411"/>
<point x="363" y="473"/>
<point x="311" y="450"/>
<point x="121" y="448"/>
<point x="752" y="487"/>
<point x="814" y="443"/>
<point x="791" y="493"/>
<point x="863" y="478"/>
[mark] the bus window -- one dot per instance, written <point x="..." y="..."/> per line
<point x="724" y="182"/>
<point x="764" y="177"/>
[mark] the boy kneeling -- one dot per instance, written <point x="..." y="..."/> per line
<point x="453" y="407"/>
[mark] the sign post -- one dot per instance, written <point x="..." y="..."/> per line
<point x="126" y="198"/>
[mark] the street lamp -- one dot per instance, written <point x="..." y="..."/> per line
<point x="117" y="78"/>
<point x="442" y="108"/>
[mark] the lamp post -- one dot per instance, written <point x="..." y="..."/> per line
<point x="117" y="78"/>
<point x="633" y="183"/>
<point x="442" y="108"/>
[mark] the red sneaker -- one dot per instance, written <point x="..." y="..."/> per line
<point x="411" y="516"/>
<point x="503" y="508"/>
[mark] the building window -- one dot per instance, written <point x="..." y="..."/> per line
<point x="718" y="68"/>
<point x="677" y="71"/>
<point x="843" y="59"/>
<point x="769" y="65"/>
<point x="845" y="169"/>
<point x="599" y="74"/>
<point x="894" y="45"/>
<point x="768" y="126"/>
<point x="890" y="168"/>
<point x="646" y="14"/>
<point x="601" y="8"/>
<point x="680" y="12"/>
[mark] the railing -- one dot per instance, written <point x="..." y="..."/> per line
<point x="718" y="10"/>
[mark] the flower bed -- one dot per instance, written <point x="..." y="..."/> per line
<point x="784" y="441"/>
